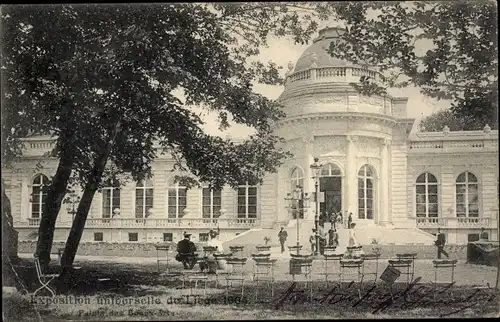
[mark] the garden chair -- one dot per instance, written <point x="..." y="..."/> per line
<point x="409" y="256"/>
<point x="447" y="265"/>
<point x="44" y="279"/>
<point x="237" y="274"/>
<point x="159" y="259"/>
<point x="350" y="266"/>
<point x="302" y="265"/>
<point x="263" y="271"/>
<point x="369" y="258"/>
<point x="329" y="265"/>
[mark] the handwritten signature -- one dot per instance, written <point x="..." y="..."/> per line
<point x="412" y="296"/>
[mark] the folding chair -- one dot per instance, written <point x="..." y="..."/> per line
<point x="409" y="256"/>
<point x="349" y="265"/>
<point x="166" y="249"/>
<point x="44" y="279"/>
<point x="220" y="271"/>
<point x="329" y="264"/>
<point x="302" y="265"/>
<point x="263" y="270"/>
<point x="444" y="263"/>
<point x="405" y="264"/>
<point x="237" y="274"/>
<point x="367" y="258"/>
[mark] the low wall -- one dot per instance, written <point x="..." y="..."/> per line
<point x="148" y="250"/>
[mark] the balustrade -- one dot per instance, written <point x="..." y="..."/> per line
<point x="155" y="222"/>
<point x="452" y="222"/>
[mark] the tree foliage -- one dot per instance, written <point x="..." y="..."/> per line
<point x="438" y="120"/>
<point x="460" y="64"/>
<point x="102" y="80"/>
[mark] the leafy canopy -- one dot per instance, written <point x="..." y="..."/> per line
<point x="461" y="63"/>
<point x="88" y="74"/>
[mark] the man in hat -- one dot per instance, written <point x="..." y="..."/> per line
<point x="186" y="252"/>
<point x="282" y="235"/>
<point x="440" y="242"/>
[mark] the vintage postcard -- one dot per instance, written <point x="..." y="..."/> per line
<point x="250" y="160"/>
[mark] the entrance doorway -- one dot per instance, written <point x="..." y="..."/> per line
<point x="330" y="184"/>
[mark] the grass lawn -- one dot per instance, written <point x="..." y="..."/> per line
<point x="138" y="292"/>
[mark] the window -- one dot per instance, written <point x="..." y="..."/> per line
<point x="38" y="195"/>
<point x="330" y="185"/>
<point x="143" y="198"/>
<point x="98" y="237"/>
<point x="203" y="237"/>
<point x="426" y="195"/>
<point x="467" y="195"/>
<point x="110" y="198"/>
<point x="211" y="203"/>
<point x="167" y="237"/>
<point x="133" y="237"/>
<point x="365" y="193"/>
<point x="247" y="201"/>
<point x="177" y="200"/>
<point x="297" y="179"/>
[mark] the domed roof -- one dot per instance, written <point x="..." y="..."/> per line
<point x="318" y="51"/>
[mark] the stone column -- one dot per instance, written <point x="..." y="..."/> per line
<point x="351" y="181"/>
<point x="383" y="217"/>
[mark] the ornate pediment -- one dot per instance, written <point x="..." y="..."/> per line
<point x="372" y="100"/>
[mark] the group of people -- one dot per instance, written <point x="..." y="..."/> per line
<point x="326" y="238"/>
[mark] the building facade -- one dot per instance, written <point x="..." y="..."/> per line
<point x="372" y="167"/>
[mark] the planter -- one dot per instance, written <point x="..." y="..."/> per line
<point x="329" y="250"/>
<point x="236" y="249"/>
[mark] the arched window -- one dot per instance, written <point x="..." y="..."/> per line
<point x="110" y="198"/>
<point x="247" y="200"/>
<point x="426" y="195"/>
<point x="467" y="195"/>
<point x="143" y="198"/>
<point x="330" y="170"/>
<point x="297" y="179"/>
<point x="38" y="195"/>
<point x="211" y="203"/>
<point x="177" y="200"/>
<point x="365" y="192"/>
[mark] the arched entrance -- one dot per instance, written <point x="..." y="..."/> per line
<point x="330" y="184"/>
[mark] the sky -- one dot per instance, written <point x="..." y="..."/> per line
<point x="282" y="51"/>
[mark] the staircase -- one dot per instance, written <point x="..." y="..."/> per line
<point x="365" y="233"/>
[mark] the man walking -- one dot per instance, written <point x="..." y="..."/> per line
<point x="440" y="242"/>
<point x="282" y="235"/>
<point x="312" y="241"/>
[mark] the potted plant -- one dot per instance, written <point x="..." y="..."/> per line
<point x="266" y="247"/>
<point x="376" y="246"/>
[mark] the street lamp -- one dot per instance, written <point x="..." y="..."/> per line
<point x="316" y="168"/>
<point x="294" y="203"/>
<point x="72" y="200"/>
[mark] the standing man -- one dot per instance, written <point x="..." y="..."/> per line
<point x="312" y="240"/>
<point x="440" y="242"/>
<point x="282" y="235"/>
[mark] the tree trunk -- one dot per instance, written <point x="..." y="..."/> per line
<point x="50" y="211"/>
<point x="78" y="225"/>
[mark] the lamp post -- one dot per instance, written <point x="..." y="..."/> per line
<point x="294" y="198"/>
<point x="72" y="200"/>
<point x="316" y="168"/>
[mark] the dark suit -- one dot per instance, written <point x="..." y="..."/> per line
<point x="440" y="242"/>
<point x="186" y="253"/>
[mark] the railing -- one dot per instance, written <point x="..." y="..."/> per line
<point x="154" y="223"/>
<point x="302" y="75"/>
<point x="430" y="221"/>
<point x="461" y="143"/>
<point x="453" y="222"/>
<point x="343" y="74"/>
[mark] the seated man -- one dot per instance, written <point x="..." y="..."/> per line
<point x="186" y="252"/>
